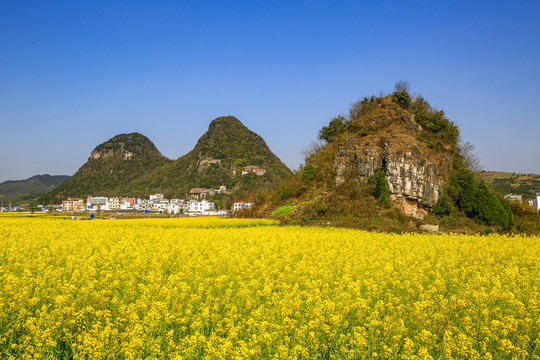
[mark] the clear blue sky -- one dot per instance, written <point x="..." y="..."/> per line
<point x="73" y="74"/>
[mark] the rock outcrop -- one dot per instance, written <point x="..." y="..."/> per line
<point x="415" y="174"/>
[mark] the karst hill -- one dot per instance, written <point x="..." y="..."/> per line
<point x="221" y="157"/>
<point x="415" y="159"/>
<point x="130" y="165"/>
<point x="111" y="168"/>
<point x="390" y="165"/>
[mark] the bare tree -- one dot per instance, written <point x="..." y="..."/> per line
<point x="470" y="159"/>
<point x="312" y="149"/>
<point x="401" y="86"/>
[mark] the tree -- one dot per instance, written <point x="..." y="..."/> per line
<point x="312" y="149"/>
<point x="363" y="107"/>
<point x="477" y="201"/>
<point x="333" y="130"/>
<point x="401" y="94"/>
<point x="470" y="160"/>
<point x="443" y="206"/>
<point x="401" y="86"/>
<point x="382" y="189"/>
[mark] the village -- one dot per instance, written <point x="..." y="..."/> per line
<point x="196" y="205"/>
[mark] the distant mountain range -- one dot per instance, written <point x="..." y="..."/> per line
<point x="31" y="187"/>
<point x="131" y="165"/>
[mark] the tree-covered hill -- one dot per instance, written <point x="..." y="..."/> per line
<point x="526" y="185"/>
<point x="38" y="184"/>
<point x="131" y="165"/>
<point x="111" y="168"/>
<point x="218" y="159"/>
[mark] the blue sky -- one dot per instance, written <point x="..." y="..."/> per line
<point x="73" y="74"/>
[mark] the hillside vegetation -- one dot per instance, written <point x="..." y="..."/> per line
<point x="526" y="185"/>
<point x="111" y="168"/>
<point x="393" y="164"/>
<point x="131" y="165"/>
<point x="30" y="188"/>
<point x="234" y="146"/>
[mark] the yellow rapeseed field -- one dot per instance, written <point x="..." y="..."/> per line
<point x="250" y="289"/>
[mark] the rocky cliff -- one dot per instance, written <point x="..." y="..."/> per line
<point x="387" y="138"/>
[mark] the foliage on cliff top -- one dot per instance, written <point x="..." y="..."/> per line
<point x="134" y="143"/>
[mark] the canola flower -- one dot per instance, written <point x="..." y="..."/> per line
<point x="203" y="288"/>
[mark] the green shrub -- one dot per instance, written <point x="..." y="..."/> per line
<point x="488" y="230"/>
<point x="476" y="201"/>
<point x="382" y="189"/>
<point x="443" y="206"/>
<point x="402" y="98"/>
<point x="284" y="194"/>
<point x="309" y="172"/>
<point x="334" y="129"/>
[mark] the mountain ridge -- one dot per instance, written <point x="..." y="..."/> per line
<point x="218" y="158"/>
<point x="112" y="165"/>
<point x="131" y="165"/>
<point x="34" y="185"/>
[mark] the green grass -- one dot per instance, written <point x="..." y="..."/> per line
<point x="282" y="211"/>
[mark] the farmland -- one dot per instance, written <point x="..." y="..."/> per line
<point x="203" y="288"/>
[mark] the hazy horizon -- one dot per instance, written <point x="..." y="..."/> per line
<point x="76" y="74"/>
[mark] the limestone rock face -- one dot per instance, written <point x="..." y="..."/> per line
<point x="415" y="175"/>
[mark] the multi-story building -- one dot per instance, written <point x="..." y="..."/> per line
<point x="535" y="203"/>
<point x="513" y="197"/>
<point x="253" y="169"/>
<point x="199" y="207"/>
<point x="72" y="204"/>
<point x="115" y="203"/>
<point x="132" y="202"/>
<point x="198" y="193"/>
<point x="241" y="204"/>
<point x="156" y="197"/>
<point x="94" y="203"/>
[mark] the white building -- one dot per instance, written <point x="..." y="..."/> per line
<point x="126" y="205"/>
<point x="160" y="206"/>
<point x="535" y="203"/>
<point x="513" y="197"/>
<point x="241" y="204"/>
<point x="94" y="203"/>
<point x="176" y="208"/>
<point x="253" y="169"/>
<point x="156" y="197"/>
<point x="199" y="207"/>
<point x="144" y="204"/>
